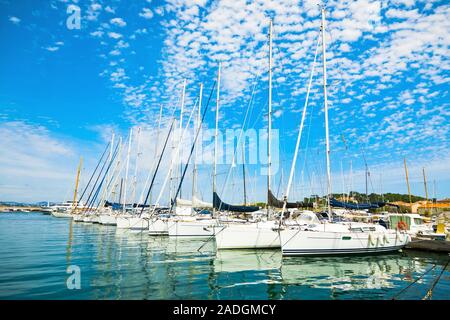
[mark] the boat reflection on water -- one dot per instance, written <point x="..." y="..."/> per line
<point x="247" y="260"/>
<point x="337" y="275"/>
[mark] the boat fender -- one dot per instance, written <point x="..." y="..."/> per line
<point x="371" y="239"/>
<point x="385" y="238"/>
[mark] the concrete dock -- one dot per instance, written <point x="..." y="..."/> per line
<point x="440" y="246"/>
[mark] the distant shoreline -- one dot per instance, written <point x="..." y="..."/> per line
<point x="28" y="208"/>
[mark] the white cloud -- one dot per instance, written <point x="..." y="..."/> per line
<point x="52" y="49"/>
<point x="114" y="35"/>
<point x="118" y="22"/>
<point x="14" y="20"/>
<point x="146" y="13"/>
<point x="97" y="34"/>
<point x="38" y="166"/>
<point x="110" y="10"/>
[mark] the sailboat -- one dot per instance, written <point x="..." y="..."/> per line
<point x="184" y="206"/>
<point x="263" y="233"/>
<point x="186" y="221"/>
<point x="336" y="238"/>
<point x="65" y="209"/>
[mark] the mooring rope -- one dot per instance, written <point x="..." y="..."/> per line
<point x="412" y="283"/>
<point x="430" y="291"/>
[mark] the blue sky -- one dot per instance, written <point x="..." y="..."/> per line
<point x="63" y="91"/>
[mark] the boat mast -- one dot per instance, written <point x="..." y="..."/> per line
<point x="75" y="202"/>
<point x="343" y="183"/>
<point x="216" y="133"/>
<point x="269" y="117"/>
<point x="327" y="138"/>
<point x="110" y="156"/>
<point x="126" y="172"/>
<point x="407" y="182"/>
<point x="300" y="130"/>
<point x="381" y="187"/>
<point x="367" y="191"/>
<point x="243" y="172"/>
<point x="133" y="195"/>
<point x="194" y="172"/>
<point x="426" y="189"/>
<point x="180" y="154"/>
<point x="434" y="195"/>
<point x="350" y="192"/>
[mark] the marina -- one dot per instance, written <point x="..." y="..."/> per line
<point x="227" y="150"/>
<point x="119" y="264"/>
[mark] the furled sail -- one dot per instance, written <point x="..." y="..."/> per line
<point x="220" y="205"/>
<point x="360" y="206"/>
<point x="274" y="202"/>
<point x="195" y="202"/>
<point x="183" y="202"/>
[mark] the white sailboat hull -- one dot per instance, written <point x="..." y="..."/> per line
<point x="134" y="223"/>
<point x="78" y="218"/>
<point x="158" y="227"/>
<point x="61" y="214"/>
<point x="307" y="243"/>
<point x="107" y="220"/>
<point x="87" y="218"/>
<point x="195" y="228"/>
<point x="95" y="219"/>
<point x="248" y="236"/>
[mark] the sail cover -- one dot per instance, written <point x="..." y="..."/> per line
<point x="195" y="202"/>
<point x="361" y="206"/>
<point x="119" y="206"/>
<point x="220" y="205"/>
<point x="274" y="202"/>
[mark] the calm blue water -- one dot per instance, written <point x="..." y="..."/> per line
<point x="36" y="249"/>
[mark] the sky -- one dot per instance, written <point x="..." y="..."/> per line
<point x="64" y="88"/>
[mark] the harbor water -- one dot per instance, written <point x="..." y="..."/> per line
<point x="36" y="251"/>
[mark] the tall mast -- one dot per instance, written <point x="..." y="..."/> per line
<point x="194" y="172"/>
<point x="216" y="133"/>
<point x="110" y="156"/>
<point x="426" y="189"/>
<point x="407" y="182"/>
<point x="126" y="172"/>
<point x="243" y="172"/>
<point x="133" y="195"/>
<point x="343" y="183"/>
<point x="269" y="117"/>
<point x="180" y="154"/>
<point x="75" y="202"/>
<point x="367" y="177"/>
<point x="351" y="179"/>
<point x="381" y="187"/>
<point x="327" y="138"/>
<point x="156" y="152"/>
<point x="434" y="194"/>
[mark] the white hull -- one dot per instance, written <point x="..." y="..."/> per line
<point x="134" y="223"/>
<point x="78" y="218"/>
<point x="107" y="220"/>
<point x="248" y="236"/>
<point x="87" y="219"/>
<point x="194" y="228"/>
<point x="307" y="243"/>
<point x="61" y="214"/>
<point x="158" y="227"/>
